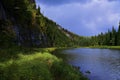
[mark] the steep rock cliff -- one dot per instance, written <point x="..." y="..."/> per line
<point x="23" y="24"/>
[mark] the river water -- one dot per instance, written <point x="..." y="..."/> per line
<point x="96" y="64"/>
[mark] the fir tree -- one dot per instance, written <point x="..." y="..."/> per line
<point x="118" y="35"/>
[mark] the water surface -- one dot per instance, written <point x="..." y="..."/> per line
<point x="103" y="64"/>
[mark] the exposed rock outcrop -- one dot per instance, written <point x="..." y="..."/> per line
<point x="2" y="12"/>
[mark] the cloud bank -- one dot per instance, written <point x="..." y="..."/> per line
<point x="84" y="17"/>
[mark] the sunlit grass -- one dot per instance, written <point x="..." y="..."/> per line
<point x="35" y="67"/>
<point x="36" y="64"/>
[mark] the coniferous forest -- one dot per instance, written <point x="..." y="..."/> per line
<point x="29" y="41"/>
<point x="110" y="38"/>
<point x="23" y="24"/>
<point x="26" y="41"/>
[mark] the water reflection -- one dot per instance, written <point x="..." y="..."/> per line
<point x="104" y="64"/>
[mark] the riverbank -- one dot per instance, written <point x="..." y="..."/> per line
<point x="95" y="63"/>
<point x="105" y="47"/>
<point x="35" y="64"/>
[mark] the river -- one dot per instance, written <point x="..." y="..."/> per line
<point x="96" y="64"/>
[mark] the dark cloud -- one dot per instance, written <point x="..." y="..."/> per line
<point x="113" y="0"/>
<point x="60" y="2"/>
<point x="84" y="19"/>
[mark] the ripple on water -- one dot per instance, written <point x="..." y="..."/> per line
<point x="104" y="64"/>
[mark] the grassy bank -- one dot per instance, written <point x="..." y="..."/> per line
<point x="105" y="47"/>
<point x="35" y="64"/>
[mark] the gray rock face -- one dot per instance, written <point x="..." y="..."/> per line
<point x="2" y="12"/>
<point x="32" y="1"/>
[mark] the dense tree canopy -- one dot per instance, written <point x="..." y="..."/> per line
<point x="110" y="38"/>
<point x="32" y="29"/>
<point x="27" y="26"/>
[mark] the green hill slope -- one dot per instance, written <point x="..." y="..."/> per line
<point x="23" y="24"/>
<point x="22" y="29"/>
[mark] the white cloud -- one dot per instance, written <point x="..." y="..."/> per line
<point x="85" y="19"/>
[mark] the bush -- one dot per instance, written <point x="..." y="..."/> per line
<point x="63" y="71"/>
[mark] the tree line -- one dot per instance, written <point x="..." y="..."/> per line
<point x="110" y="38"/>
<point x="27" y="26"/>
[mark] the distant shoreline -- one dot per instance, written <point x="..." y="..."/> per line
<point x="105" y="47"/>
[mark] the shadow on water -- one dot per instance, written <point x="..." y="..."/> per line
<point x="61" y="53"/>
<point x="97" y="64"/>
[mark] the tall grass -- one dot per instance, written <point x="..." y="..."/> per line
<point x="37" y="64"/>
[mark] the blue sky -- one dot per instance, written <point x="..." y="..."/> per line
<point x="83" y="17"/>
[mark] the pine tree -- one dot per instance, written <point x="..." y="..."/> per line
<point x="39" y="10"/>
<point x="113" y="39"/>
<point x="118" y="35"/>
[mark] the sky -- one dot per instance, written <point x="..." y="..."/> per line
<point x="83" y="17"/>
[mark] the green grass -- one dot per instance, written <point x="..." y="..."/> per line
<point x="35" y="64"/>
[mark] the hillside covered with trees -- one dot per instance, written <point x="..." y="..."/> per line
<point x="23" y="24"/>
<point x="24" y="34"/>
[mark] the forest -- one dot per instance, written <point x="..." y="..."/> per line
<point x="110" y="38"/>
<point x="28" y="40"/>
<point x="28" y="27"/>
